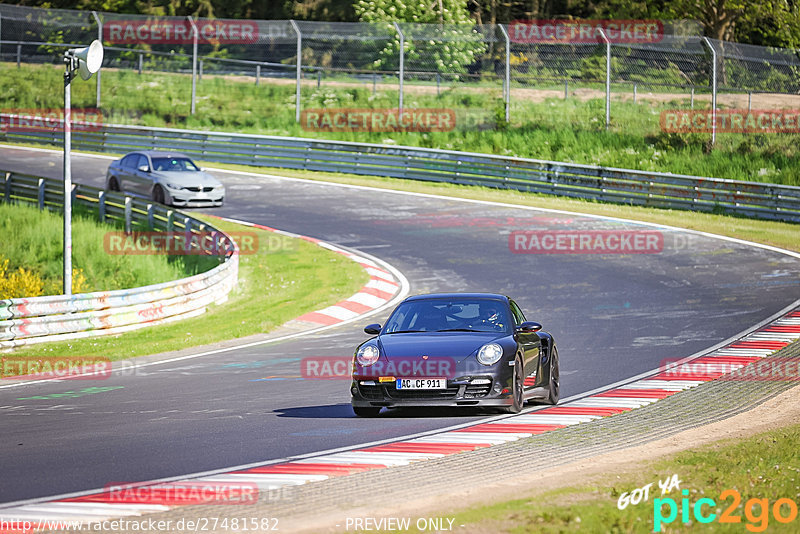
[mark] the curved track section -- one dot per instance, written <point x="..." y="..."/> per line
<point x="614" y="316"/>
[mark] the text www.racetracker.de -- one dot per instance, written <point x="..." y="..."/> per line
<point x="200" y="524"/>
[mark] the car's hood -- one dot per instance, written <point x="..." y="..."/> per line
<point x="187" y="178"/>
<point x="455" y="345"/>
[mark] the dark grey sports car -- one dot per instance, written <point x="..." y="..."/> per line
<point x="166" y="177"/>
<point x="455" y="349"/>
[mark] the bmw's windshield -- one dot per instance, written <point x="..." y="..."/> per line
<point x="449" y="315"/>
<point x="174" y="164"/>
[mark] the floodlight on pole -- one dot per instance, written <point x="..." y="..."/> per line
<point x="86" y="61"/>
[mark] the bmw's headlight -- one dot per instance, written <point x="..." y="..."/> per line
<point x="490" y="354"/>
<point x="173" y="186"/>
<point x="367" y="355"/>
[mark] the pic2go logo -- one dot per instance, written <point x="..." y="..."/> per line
<point x="756" y="511"/>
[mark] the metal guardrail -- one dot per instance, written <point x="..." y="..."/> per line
<point x="33" y="320"/>
<point x="607" y="184"/>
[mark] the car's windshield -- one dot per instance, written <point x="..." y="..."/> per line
<point x="442" y="315"/>
<point x="174" y="164"/>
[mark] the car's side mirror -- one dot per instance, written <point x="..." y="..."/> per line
<point x="373" y="329"/>
<point x="144" y="168"/>
<point x="529" y="326"/>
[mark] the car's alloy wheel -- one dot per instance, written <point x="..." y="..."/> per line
<point x="113" y="184"/>
<point x="366" y="411"/>
<point x="517" y="385"/>
<point x="555" y="384"/>
<point x="158" y="194"/>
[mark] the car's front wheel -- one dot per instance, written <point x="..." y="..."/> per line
<point x="554" y="383"/>
<point x="113" y="184"/>
<point x="366" y="411"/>
<point x="517" y="385"/>
<point x="158" y="194"/>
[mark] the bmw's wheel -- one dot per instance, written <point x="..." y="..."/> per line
<point x="158" y="194"/>
<point x="113" y="184"/>
<point x="366" y="411"/>
<point x="555" y="384"/>
<point x="517" y="385"/>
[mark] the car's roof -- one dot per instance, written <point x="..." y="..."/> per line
<point x="160" y="154"/>
<point x="486" y="296"/>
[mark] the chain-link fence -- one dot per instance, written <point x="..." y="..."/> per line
<point x="484" y="73"/>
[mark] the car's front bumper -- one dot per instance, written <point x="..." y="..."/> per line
<point x="458" y="393"/>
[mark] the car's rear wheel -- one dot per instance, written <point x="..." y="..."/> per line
<point x="158" y="194"/>
<point x="366" y="411"/>
<point x="554" y="386"/>
<point x="517" y="385"/>
<point x="113" y="184"/>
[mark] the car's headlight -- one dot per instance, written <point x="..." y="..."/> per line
<point x="172" y="186"/>
<point x="490" y="354"/>
<point x="367" y="355"/>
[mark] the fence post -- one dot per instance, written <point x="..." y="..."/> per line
<point x="99" y="38"/>
<point x="194" y="61"/>
<point x="402" y="63"/>
<point x="40" y="193"/>
<point x="200" y="69"/>
<point x="151" y="222"/>
<point x="634" y="93"/>
<point x="507" y="79"/>
<point x="1" y="34"/>
<point x="101" y="206"/>
<point x="141" y="61"/>
<point x="7" y="188"/>
<point x="19" y="54"/>
<point x="258" y="74"/>
<point x="128" y="214"/>
<point x="608" y="75"/>
<point x="713" y="90"/>
<point x="691" y="101"/>
<point x="299" y="73"/>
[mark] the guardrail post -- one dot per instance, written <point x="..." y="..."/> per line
<point x="99" y="38"/>
<point x="7" y="194"/>
<point x="40" y="193"/>
<point x="258" y="74"/>
<point x="170" y="221"/>
<point x="401" y="72"/>
<point x="101" y="206"/>
<point x="608" y="75"/>
<point x="194" y="62"/>
<point x="187" y="234"/>
<point x="691" y="100"/>
<point x="507" y="79"/>
<point x="19" y="54"/>
<point x="713" y="90"/>
<point x="151" y="221"/>
<point x="200" y="69"/>
<point x="128" y="215"/>
<point x="141" y="61"/>
<point x="299" y="72"/>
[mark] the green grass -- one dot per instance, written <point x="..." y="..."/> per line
<point x="33" y="239"/>
<point x="555" y="129"/>
<point x="771" y="473"/>
<point x="279" y="282"/>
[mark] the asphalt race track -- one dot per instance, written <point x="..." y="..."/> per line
<point x="613" y="316"/>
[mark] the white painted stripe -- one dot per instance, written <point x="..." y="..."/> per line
<point x="364" y="261"/>
<point x="706" y="367"/>
<point x="372" y="271"/>
<point x="85" y="509"/>
<point x="382" y="285"/>
<point x="271" y="479"/>
<point x="337" y="312"/>
<point x="788" y="321"/>
<point x="475" y="438"/>
<point x="679" y="385"/>
<point x="771" y="336"/>
<point x="612" y="402"/>
<point x="366" y="299"/>
<point x="385" y="458"/>
<point x="555" y="419"/>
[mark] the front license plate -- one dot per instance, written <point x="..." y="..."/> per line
<point x="421" y="383"/>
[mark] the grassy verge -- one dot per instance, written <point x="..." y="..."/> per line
<point x="281" y="280"/>
<point x="706" y="472"/>
<point x="569" y="130"/>
<point x="37" y="246"/>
